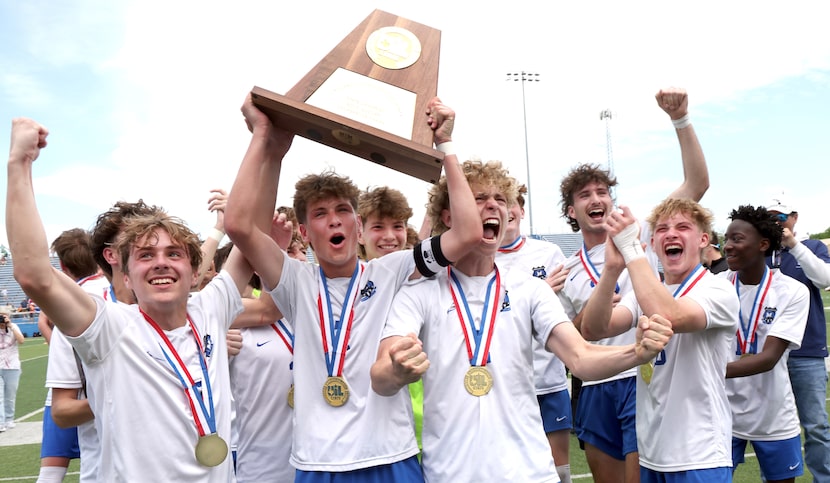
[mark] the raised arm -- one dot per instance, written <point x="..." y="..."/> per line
<point x="816" y="264"/>
<point x="675" y="102"/>
<point x="466" y="229"/>
<point x="53" y="291"/>
<point x="685" y="314"/>
<point x="217" y="202"/>
<point x="253" y="197"/>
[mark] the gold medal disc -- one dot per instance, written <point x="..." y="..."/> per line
<point x="646" y="371"/>
<point x="291" y="396"/>
<point x="211" y="450"/>
<point x="478" y="381"/>
<point x="393" y="47"/>
<point x="336" y="391"/>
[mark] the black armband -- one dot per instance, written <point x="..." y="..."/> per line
<point x="429" y="258"/>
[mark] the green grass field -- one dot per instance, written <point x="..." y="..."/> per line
<point x="21" y="463"/>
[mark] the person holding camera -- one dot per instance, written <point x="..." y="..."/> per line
<point x="10" y="338"/>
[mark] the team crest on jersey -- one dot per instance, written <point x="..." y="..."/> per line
<point x="539" y="272"/>
<point x="769" y="314"/>
<point x="505" y="306"/>
<point x="367" y="291"/>
<point x="208" y="341"/>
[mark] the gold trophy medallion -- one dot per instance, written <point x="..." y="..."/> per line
<point x="478" y="381"/>
<point x="211" y="450"/>
<point x="647" y="371"/>
<point x="393" y="47"/>
<point x="291" y="396"/>
<point x="336" y="391"/>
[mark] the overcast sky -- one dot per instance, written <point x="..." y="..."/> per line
<point x="142" y="97"/>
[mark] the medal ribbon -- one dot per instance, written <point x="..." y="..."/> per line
<point x="335" y="340"/>
<point x="202" y="415"/>
<point x="746" y="333"/>
<point x="590" y="269"/>
<point x="515" y="246"/>
<point x="478" y="355"/>
<point x="285" y="334"/>
<point x="690" y="281"/>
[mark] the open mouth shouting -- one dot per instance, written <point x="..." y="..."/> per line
<point x="673" y="251"/>
<point x="492" y="228"/>
<point x="597" y="214"/>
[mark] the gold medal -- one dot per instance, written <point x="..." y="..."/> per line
<point x="211" y="450"/>
<point x="291" y="396"/>
<point x="744" y="356"/>
<point x="336" y="391"/>
<point x="478" y="381"/>
<point x="646" y="371"/>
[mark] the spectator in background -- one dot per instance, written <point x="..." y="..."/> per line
<point x="809" y="263"/>
<point x="711" y="256"/>
<point x="10" y="338"/>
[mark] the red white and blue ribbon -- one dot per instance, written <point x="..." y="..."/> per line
<point x="476" y="337"/>
<point x="591" y="269"/>
<point x="746" y="333"/>
<point x="282" y="330"/>
<point x="514" y="246"/>
<point x="690" y="281"/>
<point x="335" y="335"/>
<point x="204" y="415"/>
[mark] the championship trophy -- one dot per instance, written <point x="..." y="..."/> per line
<point x="368" y="96"/>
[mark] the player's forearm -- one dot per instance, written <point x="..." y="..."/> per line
<point x="695" y="172"/>
<point x="384" y="381"/>
<point x="598" y="362"/>
<point x="594" y="321"/>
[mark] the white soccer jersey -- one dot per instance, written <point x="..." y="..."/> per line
<point x="578" y="289"/>
<point x="142" y="414"/>
<point x="763" y="406"/>
<point x="497" y="437"/>
<point x="260" y="380"/>
<point x="683" y="417"/>
<point x="369" y="429"/>
<point x="538" y="258"/>
<point x="62" y="372"/>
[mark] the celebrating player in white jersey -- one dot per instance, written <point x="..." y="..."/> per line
<point x="772" y="315"/>
<point x="342" y="428"/>
<point x="684" y="422"/>
<point x="468" y="331"/>
<point x="157" y="372"/>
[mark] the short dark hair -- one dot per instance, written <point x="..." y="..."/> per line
<point x="763" y="221"/>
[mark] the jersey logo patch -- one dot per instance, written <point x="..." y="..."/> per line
<point x="769" y="314"/>
<point x="539" y="272"/>
<point x="367" y="291"/>
<point x="505" y="306"/>
<point x="208" y="345"/>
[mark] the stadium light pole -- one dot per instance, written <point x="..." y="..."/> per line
<point x="526" y="77"/>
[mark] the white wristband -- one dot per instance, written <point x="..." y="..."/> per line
<point x="447" y="148"/>
<point x="682" y="123"/>
<point x="217" y="234"/>
<point x="628" y="243"/>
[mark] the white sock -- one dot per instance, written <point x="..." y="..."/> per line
<point x="51" y="474"/>
<point x="564" y="473"/>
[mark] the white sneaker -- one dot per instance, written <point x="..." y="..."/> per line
<point x="10" y="425"/>
<point x="2" y="428"/>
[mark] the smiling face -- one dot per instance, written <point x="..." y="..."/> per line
<point x="332" y="228"/>
<point x="160" y="271"/>
<point x="590" y="205"/>
<point x="744" y="246"/>
<point x="677" y="240"/>
<point x="382" y="235"/>
<point x="514" y="221"/>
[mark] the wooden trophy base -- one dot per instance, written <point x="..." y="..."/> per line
<point x="368" y="96"/>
